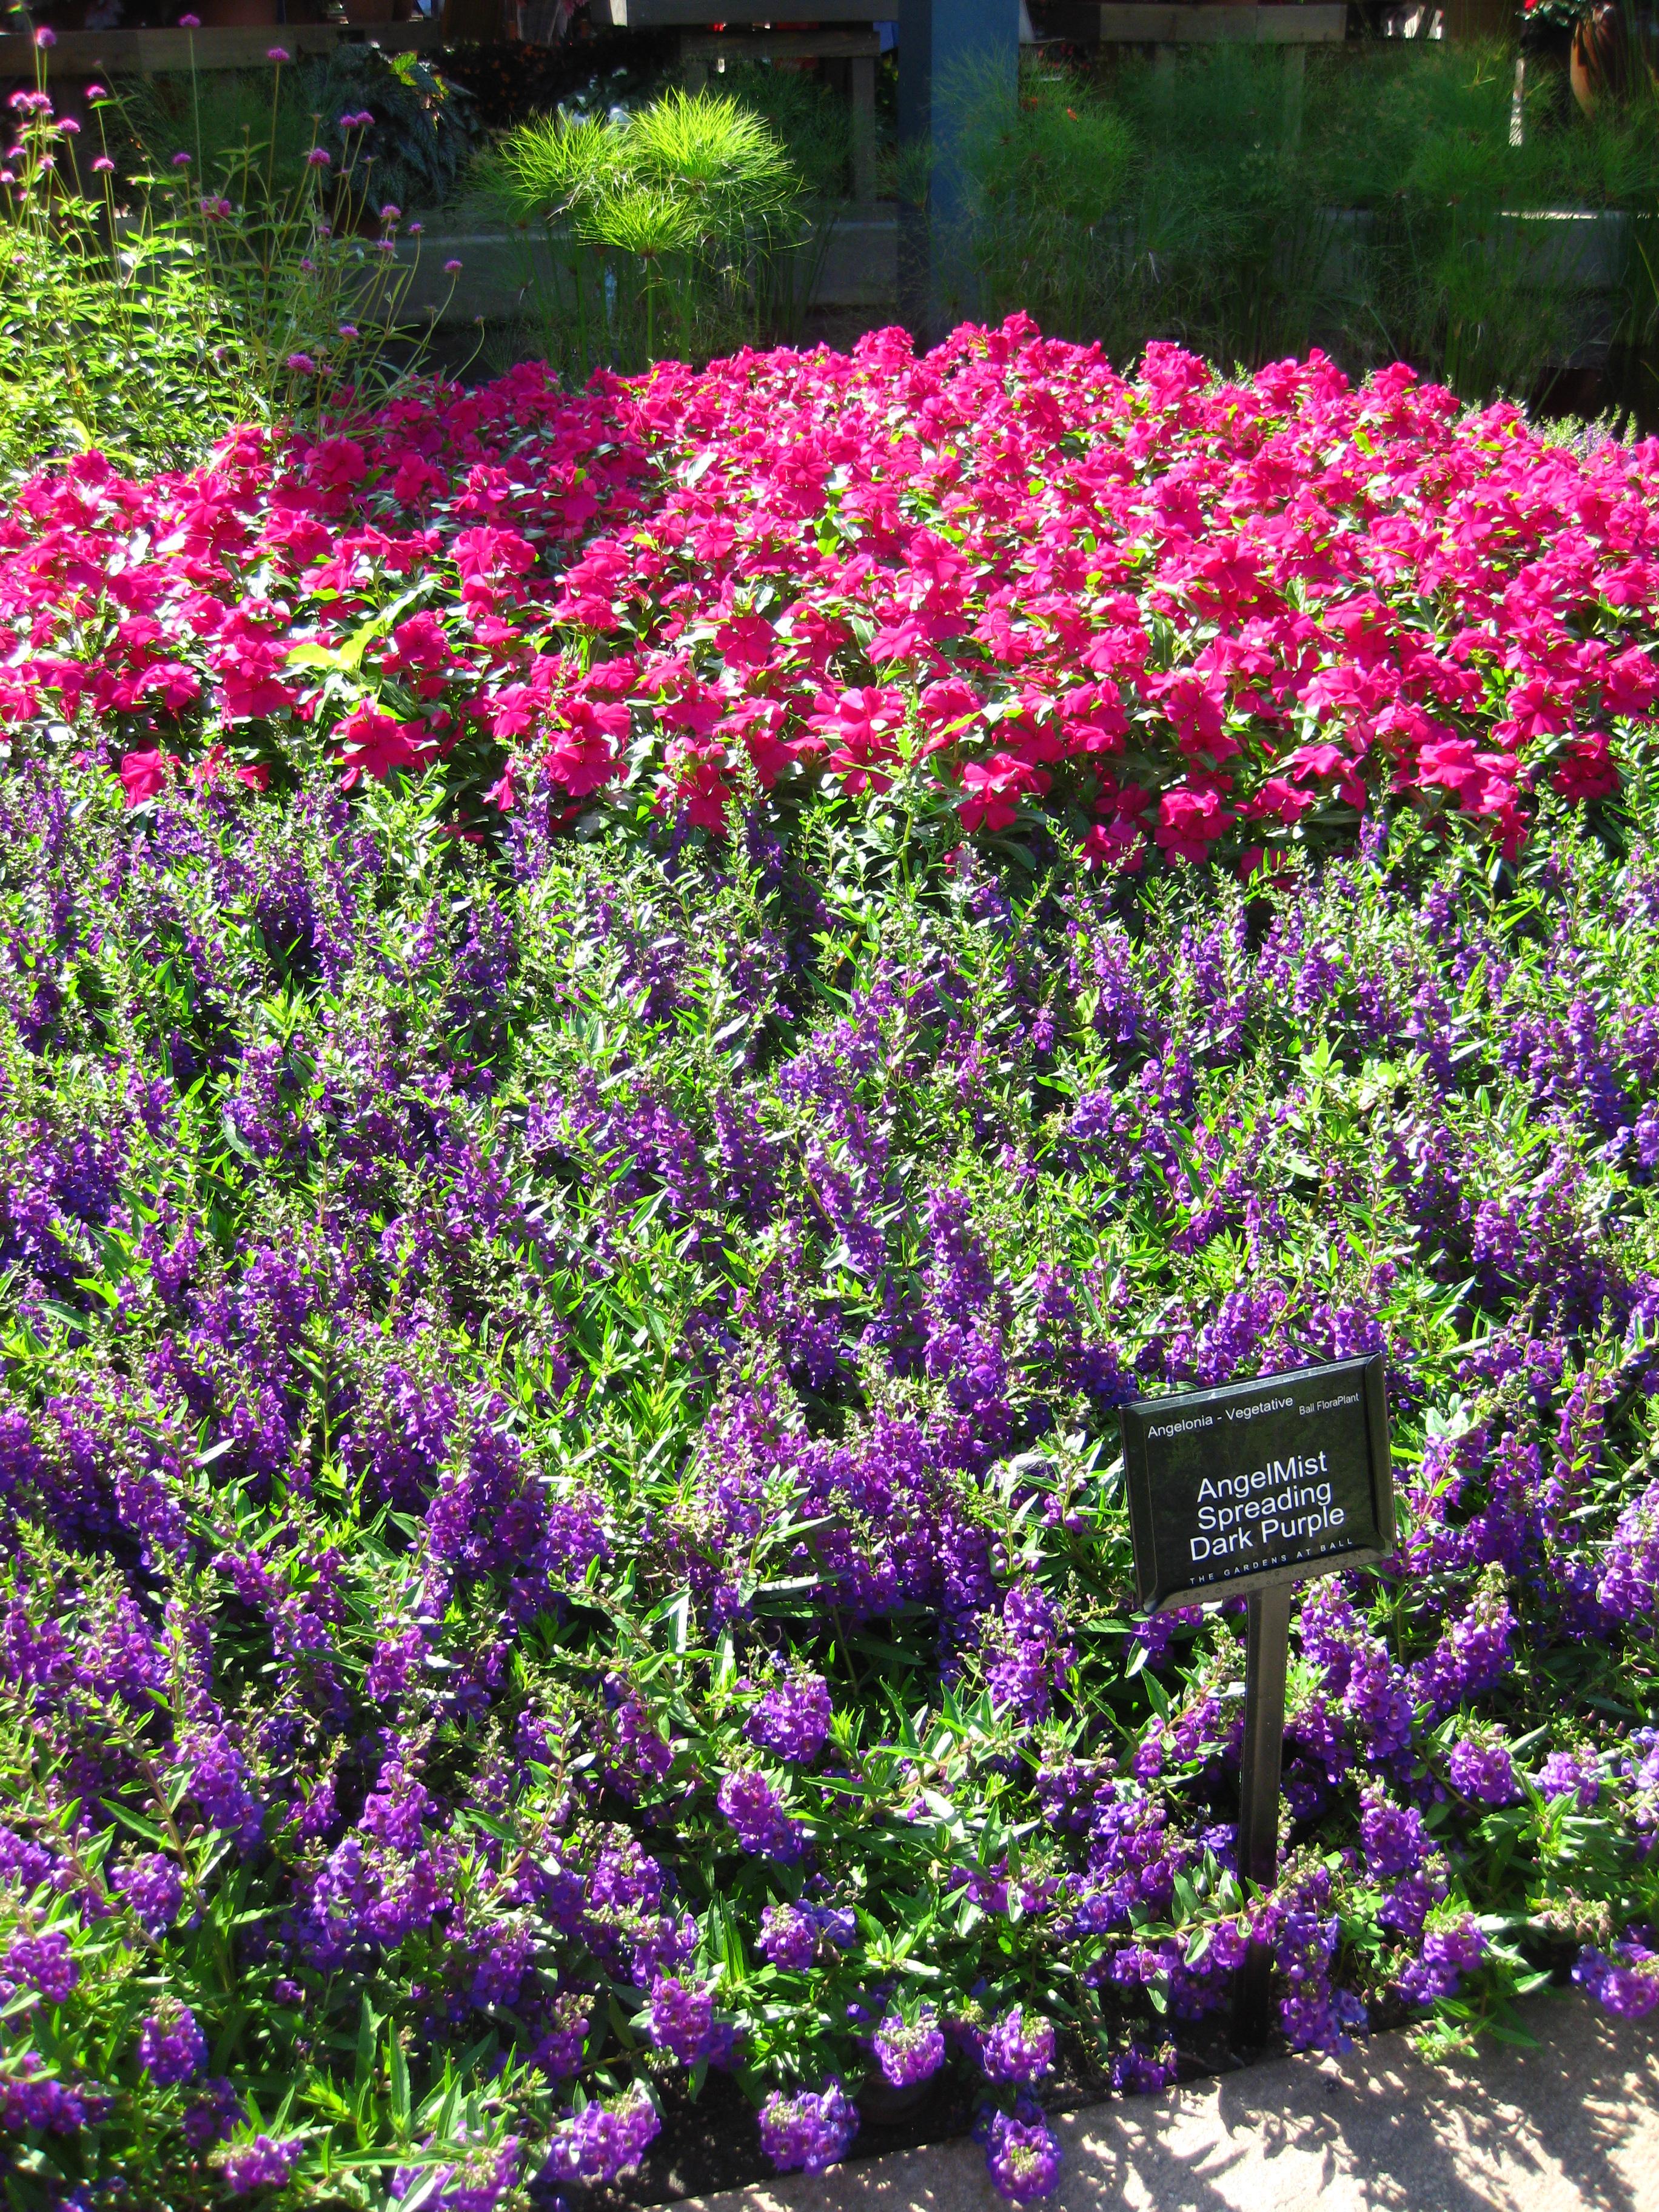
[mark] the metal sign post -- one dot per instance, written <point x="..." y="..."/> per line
<point x="1259" y="1485"/>
<point x="1267" y="1661"/>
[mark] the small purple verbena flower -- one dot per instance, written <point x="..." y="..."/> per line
<point x="278" y="54"/>
<point x="302" y="364"/>
<point x="452" y="268"/>
<point x="181" y="160"/>
<point x="102" y="164"/>
<point x="45" y="37"/>
<point x="319" y="157"/>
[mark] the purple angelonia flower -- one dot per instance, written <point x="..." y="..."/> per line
<point x="171" y="2047"/>
<point x="214" y="2115"/>
<point x="682" y="2021"/>
<point x="793" y="1719"/>
<point x="807" y="2133"/>
<point x="154" y="1888"/>
<point x="1012" y="2050"/>
<point x="262" y="2164"/>
<point x="602" y="2142"/>
<point x="758" y="1817"/>
<point x="1625" y="1983"/>
<point x="910" y="2051"/>
<point x="1021" y="2153"/>
<point x="1484" y="1771"/>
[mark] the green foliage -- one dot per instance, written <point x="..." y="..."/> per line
<point x="146" y="313"/>
<point x="1373" y="211"/>
<point x="811" y="118"/>
<point x="132" y="350"/>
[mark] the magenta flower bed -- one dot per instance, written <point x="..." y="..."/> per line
<point x="1192" y="618"/>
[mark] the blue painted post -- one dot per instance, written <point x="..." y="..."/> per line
<point x="949" y="51"/>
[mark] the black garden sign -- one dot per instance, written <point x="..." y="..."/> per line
<point x="1265" y="1482"/>
<point x="1255" y="1487"/>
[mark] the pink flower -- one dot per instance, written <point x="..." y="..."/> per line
<point x="45" y="37"/>
<point x="995" y="788"/>
<point x="143" y="774"/>
<point x="277" y="54"/>
<point x="374" y="744"/>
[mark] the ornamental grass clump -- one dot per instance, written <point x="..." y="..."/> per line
<point x="681" y="204"/>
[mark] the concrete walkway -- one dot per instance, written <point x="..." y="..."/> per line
<point x="1572" y="2126"/>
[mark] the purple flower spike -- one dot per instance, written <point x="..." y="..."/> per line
<point x="601" y="2141"/>
<point x="262" y="2164"/>
<point x="682" y="2021"/>
<point x="1626" y="1984"/>
<point x="910" y="2051"/>
<point x="171" y="2047"/>
<point x="792" y="1720"/>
